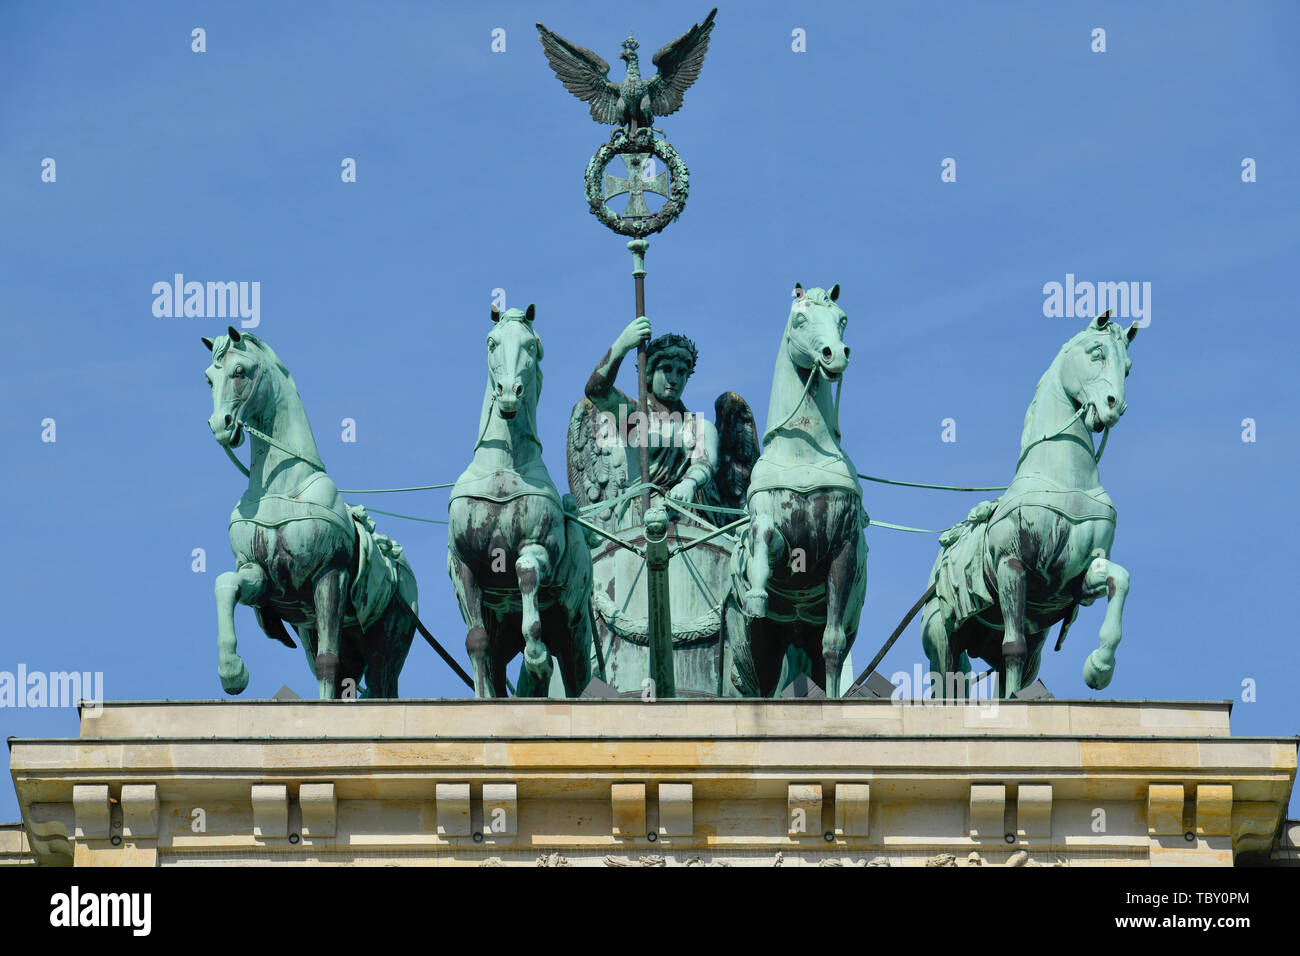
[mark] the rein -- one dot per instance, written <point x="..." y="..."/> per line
<point x="487" y="420"/>
<point x="258" y="433"/>
<point x="807" y="388"/>
<point x="1061" y="431"/>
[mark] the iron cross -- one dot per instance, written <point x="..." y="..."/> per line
<point x="635" y="185"/>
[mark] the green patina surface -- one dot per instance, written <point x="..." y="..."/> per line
<point x="694" y="467"/>
<point x="1019" y="565"/>
<point x="304" y="557"/>
<point x="800" y="567"/>
<point x="683" y="562"/>
<point x="521" y="569"/>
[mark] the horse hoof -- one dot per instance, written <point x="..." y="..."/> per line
<point x="1096" y="675"/>
<point x="237" y="682"/>
<point x="536" y="656"/>
<point x="756" y="604"/>
<point x="540" y="670"/>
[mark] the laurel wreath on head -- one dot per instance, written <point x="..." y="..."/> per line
<point x="641" y="143"/>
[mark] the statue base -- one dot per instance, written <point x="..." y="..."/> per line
<point x="627" y="782"/>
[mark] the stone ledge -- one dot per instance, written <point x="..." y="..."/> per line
<point x="664" y="718"/>
<point x="15" y="850"/>
<point x="633" y="783"/>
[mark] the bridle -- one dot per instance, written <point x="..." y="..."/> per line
<point x="238" y="418"/>
<point x="813" y="374"/>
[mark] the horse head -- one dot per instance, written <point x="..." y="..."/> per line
<point x="514" y="351"/>
<point x="241" y="391"/>
<point x="1093" y="367"/>
<point x="815" y="332"/>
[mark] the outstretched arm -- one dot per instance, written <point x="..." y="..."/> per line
<point x="600" y="387"/>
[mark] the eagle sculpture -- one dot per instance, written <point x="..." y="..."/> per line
<point x="636" y="102"/>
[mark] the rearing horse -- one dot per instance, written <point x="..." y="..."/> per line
<point x="304" y="556"/>
<point x="1018" y="565"/>
<point x="522" y="572"/>
<point x="800" y="567"/>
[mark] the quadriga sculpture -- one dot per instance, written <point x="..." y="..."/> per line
<point x="1018" y="565"/>
<point x="800" y="568"/>
<point x="304" y="556"/>
<point x="522" y="572"/>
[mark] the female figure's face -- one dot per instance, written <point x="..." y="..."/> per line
<point x="670" y="375"/>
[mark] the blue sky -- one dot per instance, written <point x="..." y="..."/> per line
<point x="818" y="167"/>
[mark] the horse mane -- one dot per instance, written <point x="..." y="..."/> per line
<point x="1111" y="328"/>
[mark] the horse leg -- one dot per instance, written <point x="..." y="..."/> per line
<point x="565" y="630"/>
<point x="380" y="642"/>
<point x="470" y="598"/>
<point x="1099" y="668"/>
<point x="744" y="669"/>
<point x="575" y="663"/>
<point x="768" y="650"/>
<point x="937" y="643"/>
<point x="329" y="593"/>
<point x="766" y="545"/>
<point x="352" y="664"/>
<point x="307" y="637"/>
<point x="732" y="642"/>
<point x="839" y="583"/>
<point x="383" y="665"/>
<point x="1011" y="597"/>
<point x="532" y="568"/>
<point x="234" y="587"/>
<point x="495" y="666"/>
<point x="1034" y="660"/>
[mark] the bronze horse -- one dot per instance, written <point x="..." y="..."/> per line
<point x="800" y="567"/>
<point x="304" y="555"/>
<point x="1021" y="564"/>
<point x="521" y="570"/>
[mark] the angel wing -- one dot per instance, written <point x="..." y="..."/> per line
<point x="584" y="74"/>
<point x="737" y="448"/>
<point x="596" y="461"/>
<point x="679" y="66"/>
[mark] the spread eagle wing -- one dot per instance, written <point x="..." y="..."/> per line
<point x="584" y="74"/>
<point x="679" y="66"/>
<point x="737" y="448"/>
<point x="597" y="462"/>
